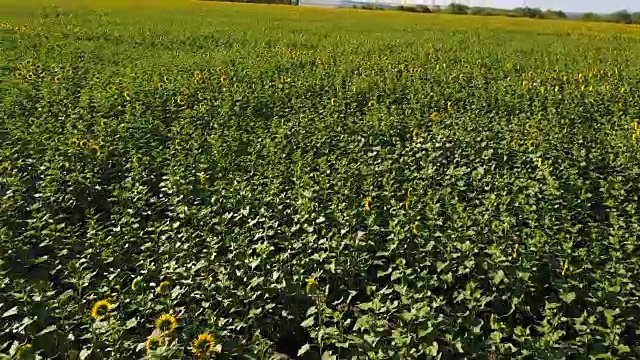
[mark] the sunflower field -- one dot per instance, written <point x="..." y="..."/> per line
<point x="183" y="179"/>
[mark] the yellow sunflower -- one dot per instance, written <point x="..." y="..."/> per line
<point x="203" y="345"/>
<point x="73" y="142"/>
<point x="163" y="288"/>
<point x="166" y="323"/>
<point x="136" y="284"/>
<point x="25" y="352"/>
<point x="154" y="342"/>
<point x="436" y="116"/>
<point x="415" y="229"/>
<point x="565" y="268"/>
<point x="311" y="282"/>
<point x="367" y="203"/>
<point x="100" y="309"/>
<point x="94" y="149"/>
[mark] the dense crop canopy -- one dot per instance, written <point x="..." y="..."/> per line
<point x="186" y="179"/>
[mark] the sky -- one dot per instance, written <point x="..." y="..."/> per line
<point x="599" y="6"/>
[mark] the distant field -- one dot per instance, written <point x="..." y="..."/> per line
<point x="186" y="179"/>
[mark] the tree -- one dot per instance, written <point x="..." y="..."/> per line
<point x="591" y="17"/>
<point x="458" y="9"/>
<point x="622" y="17"/>
<point x="559" y="14"/>
<point x="529" y="12"/>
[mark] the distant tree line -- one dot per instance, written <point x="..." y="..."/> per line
<point x="280" y="2"/>
<point x="623" y="16"/>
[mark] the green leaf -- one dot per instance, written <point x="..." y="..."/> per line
<point x="568" y="297"/>
<point x="85" y="353"/>
<point x="47" y="330"/>
<point x="328" y="355"/>
<point x="304" y="349"/>
<point x="309" y="322"/>
<point x="623" y="349"/>
<point x="498" y="277"/>
<point x="10" y="312"/>
<point x="131" y="323"/>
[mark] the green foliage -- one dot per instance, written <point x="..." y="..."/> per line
<point x="415" y="8"/>
<point x="622" y="16"/>
<point x="458" y="9"/>
<point x="316" y="183"/>
<point x="533" y="13"/>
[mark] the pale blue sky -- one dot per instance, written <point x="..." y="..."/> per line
<point x="605" y="6"/>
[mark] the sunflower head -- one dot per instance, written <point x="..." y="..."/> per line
<point x="415" y="229"/>
<point x="154" y="342"/>
<point x="436" y="116"/>
<point x="163" y="288"/>
<point x="565" y="268"/>
<point x="136" y="284"/>
<point x="311" y="283"/>
<point x="101" y="309"/>
<point x="203" y="345"/>
<point x="25" y="352"/>
<point x="367" y="203"/>
<point x="94" y="149"/>
<point x="166" y="323"/>
<point x="73" y="142"/>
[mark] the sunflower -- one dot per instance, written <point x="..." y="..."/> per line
<point x="154" y="342"/>
<point x="25" y="352"/>
<point x="565" y="267"/>
<point x="163" y="288"/>
<point x="311" y="282"/>
<point x="136" y="284"/>
<point x="415" y="229"/>
<point x="367" y="203"/>
<point x="94" y="149"/>
<point x="180" y="100"/>
<point x="436" y="116"/>
<point x="73" y="142"/>
<point x="166" y="323"/>
<point x="100" y="309"/>
<point x="203" y="345"/>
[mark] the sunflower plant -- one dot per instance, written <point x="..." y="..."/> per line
<point x="181" y="179"/>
